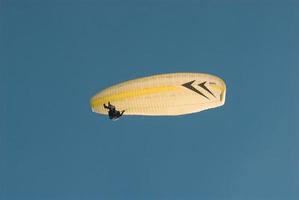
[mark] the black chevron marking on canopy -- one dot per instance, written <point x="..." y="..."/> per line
<point x="190" y="87"/>
<point x="202" y="85"/>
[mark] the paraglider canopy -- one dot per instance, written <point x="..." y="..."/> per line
<point x="164" y="94"/>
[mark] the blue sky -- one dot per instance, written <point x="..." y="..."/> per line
<point x="55" y="56"/>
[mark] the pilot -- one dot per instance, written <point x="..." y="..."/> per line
<point x="113" y="113"/>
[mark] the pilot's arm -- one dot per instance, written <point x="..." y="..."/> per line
<point x="112" y="107"/>
<point x="107" y="107"/>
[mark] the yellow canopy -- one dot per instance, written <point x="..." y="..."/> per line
<point x="164" y="94"/>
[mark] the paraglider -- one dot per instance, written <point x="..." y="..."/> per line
<point x="113" y="113"/>
<point x="161" y="95"/>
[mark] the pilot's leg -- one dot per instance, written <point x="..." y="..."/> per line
<point x="120" y="113"/>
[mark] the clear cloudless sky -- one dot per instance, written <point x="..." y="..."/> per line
<point x="55" y="55"/>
